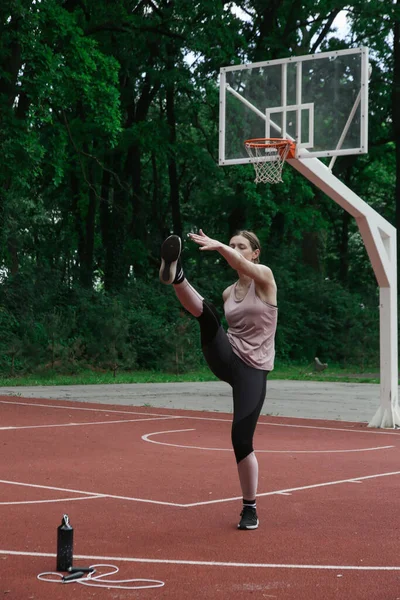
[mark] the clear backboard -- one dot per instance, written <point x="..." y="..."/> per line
<point x="319" y="101"/>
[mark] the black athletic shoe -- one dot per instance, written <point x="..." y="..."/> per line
<point x="249" y="518"/>
<point x="170" y="253"/>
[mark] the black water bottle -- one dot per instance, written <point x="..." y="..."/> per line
<point x="65" y="544"/>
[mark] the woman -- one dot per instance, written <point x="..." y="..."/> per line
<point x="242" y="356"/>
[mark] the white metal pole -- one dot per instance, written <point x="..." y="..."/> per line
<point x="299" y="83"/>
<point x="222" y="109"/>
<point x="379" y="237"/>
<point x="284" y="99"/>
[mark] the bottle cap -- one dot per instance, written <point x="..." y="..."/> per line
<point x="65" y="522"/>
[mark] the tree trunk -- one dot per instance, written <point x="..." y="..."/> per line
<point x="75" y="190"/>
<point x="311" y="250"/>
<point x="344" y="248"/>
<point x="238" y="214"/>
<point x="13" y="253"/>
<point x="133" y="171"/>
<point x="137" y="113"/>
<point x="114" y="216"/>
<point x="84" y="226"/>
<point x="86" y="264"/>
<point x="172" y="168"/>
<point x="104" y="212"/>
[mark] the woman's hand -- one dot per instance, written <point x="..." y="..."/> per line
<point x="205" y="242"/>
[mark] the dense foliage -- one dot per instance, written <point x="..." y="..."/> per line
<point x="109" y="141"/>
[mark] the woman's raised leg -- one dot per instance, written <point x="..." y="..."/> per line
<point x="214" y="342"/>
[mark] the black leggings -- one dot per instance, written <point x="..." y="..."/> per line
<point x="248" y="384"/>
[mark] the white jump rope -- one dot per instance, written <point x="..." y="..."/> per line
<point x="86" y="576"/>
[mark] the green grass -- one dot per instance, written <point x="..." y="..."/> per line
<point x="353" y="374"/>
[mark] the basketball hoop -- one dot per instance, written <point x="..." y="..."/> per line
<point x="268" y="156"/>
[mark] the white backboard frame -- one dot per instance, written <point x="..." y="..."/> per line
<point x="304" y="147"/>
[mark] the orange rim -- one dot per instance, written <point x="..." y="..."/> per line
<point x="278" y="143"/>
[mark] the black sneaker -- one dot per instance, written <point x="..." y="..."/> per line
<point x="249" y="518"/>
<point x="170" y="253"/>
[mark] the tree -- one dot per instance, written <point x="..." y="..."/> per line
<point x="109" y="134"/>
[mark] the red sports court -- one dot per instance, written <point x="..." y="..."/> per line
<point x="154" y="492"/>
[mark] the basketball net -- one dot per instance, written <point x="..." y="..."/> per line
<point x="268" y="156"/>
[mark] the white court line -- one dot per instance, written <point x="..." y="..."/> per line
<point x="146" y="438"/>
<point x="122" y="412"/>
<point x="366" y="431"/>
<point x="48" y="487"/>
<point x="53" y="500"/>
<point x="287" y="491"/>
<point x="90" y="494"/>
<point x="369" y="431"/>
<point x="205" y="563"/>
<point x="86" y="423"/>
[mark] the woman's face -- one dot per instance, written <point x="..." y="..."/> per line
<point x="243" y="246"/>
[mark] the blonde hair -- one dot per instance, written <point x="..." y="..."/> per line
<point x="254" y="242"/>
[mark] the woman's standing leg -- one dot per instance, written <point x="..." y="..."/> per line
<point x="249" y="390"/>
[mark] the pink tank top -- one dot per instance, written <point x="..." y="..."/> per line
<point x="252" y="326"/>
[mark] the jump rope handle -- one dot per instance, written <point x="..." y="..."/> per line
<point x="75" y="575"/>
<point x="83" y="569"/>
